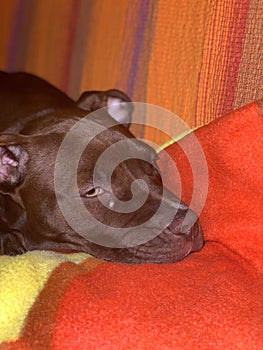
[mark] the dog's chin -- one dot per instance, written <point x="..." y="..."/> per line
<point x="170" y="246"/>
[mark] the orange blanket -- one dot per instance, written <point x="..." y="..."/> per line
<point x="211" y="300"/>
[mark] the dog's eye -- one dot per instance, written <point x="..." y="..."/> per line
<point x="93" y="192"/>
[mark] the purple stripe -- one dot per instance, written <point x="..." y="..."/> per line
<point x="83" y="32"/>
<point x="15" y="36"/>
<point x="70" y="43"/>
<point x="139" y="43"/>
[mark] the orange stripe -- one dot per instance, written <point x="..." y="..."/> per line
<point x="103" y="55"/>
<point x="48" y="40"/>
<point x="112" y="47"/>
<point x="39" y="324"/>
<point x="176" y="57"/>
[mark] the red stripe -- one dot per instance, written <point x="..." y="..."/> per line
<point x="236" y="34"/>
<point x="70" y="44"/>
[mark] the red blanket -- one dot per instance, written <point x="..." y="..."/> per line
<point x="211" y="300"/>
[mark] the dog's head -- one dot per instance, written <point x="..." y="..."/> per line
<point x="132" y="217"/>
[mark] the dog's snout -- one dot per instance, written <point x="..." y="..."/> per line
<point x="186" y="229"/>
<point x="111" y="203"/>
<point x="198" y="239"/>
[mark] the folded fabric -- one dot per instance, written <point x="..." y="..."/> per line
<point x="210" y="300"/>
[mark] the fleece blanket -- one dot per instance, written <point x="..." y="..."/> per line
<point x="210" y="300"/>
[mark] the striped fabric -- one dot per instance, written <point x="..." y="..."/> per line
<point x="199" y="59"/>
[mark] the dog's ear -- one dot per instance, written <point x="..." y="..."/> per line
<point x="119" y="104"/>
<point x="13" y="160"/>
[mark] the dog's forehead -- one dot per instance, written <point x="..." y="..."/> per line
<point x="92" y="137"/>
<point x="116" y="144"/>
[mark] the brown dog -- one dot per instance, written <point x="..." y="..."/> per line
<point x="35" y="118"/>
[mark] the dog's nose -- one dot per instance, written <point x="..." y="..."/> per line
<point x="185" y="224"/>
<point x="198" y="239"/>
<point x="195" y="234"/>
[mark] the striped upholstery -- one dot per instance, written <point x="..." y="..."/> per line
<point x="198" y="59"/>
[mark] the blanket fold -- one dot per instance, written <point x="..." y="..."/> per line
<point x="233" y="148"/>
<point x="210" y="300"/>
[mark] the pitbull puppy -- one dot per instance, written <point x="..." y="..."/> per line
<point x="35" y="118"/>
